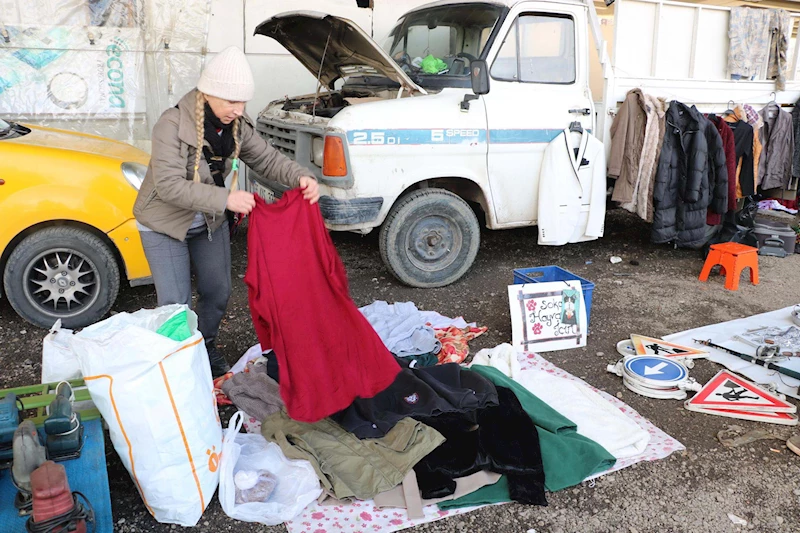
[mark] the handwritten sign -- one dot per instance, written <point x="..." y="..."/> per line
<point x="547" y="316"/>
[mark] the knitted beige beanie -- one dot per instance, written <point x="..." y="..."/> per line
<point x="228" y="76"/>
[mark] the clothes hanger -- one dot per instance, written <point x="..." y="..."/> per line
<point x="729" y="111"/>
<point x="575" y="127"/>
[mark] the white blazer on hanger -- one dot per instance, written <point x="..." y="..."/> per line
<point x="572" y="189"/>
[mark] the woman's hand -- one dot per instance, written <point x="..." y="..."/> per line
<point x="310" y="189"/>
<point x="241" y="202"/>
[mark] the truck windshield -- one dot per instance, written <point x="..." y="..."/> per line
<point x="442" y="41"/>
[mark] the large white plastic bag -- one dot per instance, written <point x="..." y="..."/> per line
<point x="157" y="397"/>
<point x="58" y="361"/>
<point x="297" y="487"/>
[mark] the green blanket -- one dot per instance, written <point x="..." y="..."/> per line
<point x="568" y="458"/>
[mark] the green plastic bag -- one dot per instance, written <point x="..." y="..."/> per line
<point x="176" y="328"/>
<point x="433" y="65"/>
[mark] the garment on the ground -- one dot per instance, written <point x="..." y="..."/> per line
<point x="627" y="141"/>
<point x="300" y="302"/>
<point x="254" y="392"/>
<point x="505" y="440"/>
<point x="595" y="417"/>
<point x="422" y="393"/>
<point x="572" y="189"/>
<point x="455" y="342"/>
<point x="685" y="185"/>
<point x="426" y="359"/>
<point x="777" y="138"/>
<point x="171" y="262"/>
<point x="729" y="147"/>
<point x="401" y="497"/>
<point x="347" y="466"/>
<point x="488" y="495"/>
<point x="402" y="328"/>
<point x="568" y="457"/>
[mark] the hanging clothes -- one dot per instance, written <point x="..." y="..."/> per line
<point x="572" y="189"/>
<point x="299" y="298"/>
<point x="717" y="169"/>
<point x="780" y="27"/>
<point x="747" y="148"/>
<point x="627" y="139"/>
<point x="796" y="133"/>
<point x="754" y="119"/>
<point x="642" y="203"/>
<point x="777" y="137"/>
<point x="749" y="34"/>
<point x="729" y="147"/>
<point x="685" y="185"/>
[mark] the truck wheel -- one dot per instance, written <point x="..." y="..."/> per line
<point x="430" y="238"/>
<point x="61" y="272"/>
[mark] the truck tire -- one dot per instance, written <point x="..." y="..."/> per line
<point x="61" y="273"/>
<point x="430" y="238"/>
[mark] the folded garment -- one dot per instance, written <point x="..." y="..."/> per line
<point x="347" y="466"/>
<point x="402" y="328"/>
<point x="255" y="393"/>
<point x="595" y="417"/>
<point x="423" y="394"/>
<point x="455" y="343"/>
<point x="407" y="496"/>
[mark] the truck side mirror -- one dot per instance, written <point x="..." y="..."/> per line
<point x="479" y="74"/>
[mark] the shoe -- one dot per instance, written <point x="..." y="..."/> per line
<point x="794" y="444"/>
<point x="219" y="366"/>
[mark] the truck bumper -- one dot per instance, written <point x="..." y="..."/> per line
<point x="350" y="212"/>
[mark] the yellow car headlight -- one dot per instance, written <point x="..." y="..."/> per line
<point x="134" y="173"/>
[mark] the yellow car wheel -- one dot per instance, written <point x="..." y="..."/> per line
<point x="61" y="273"/>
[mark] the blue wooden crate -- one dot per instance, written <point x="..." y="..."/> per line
<point x="546" y="274"/>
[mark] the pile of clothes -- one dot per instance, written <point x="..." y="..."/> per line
<point x="684" y="171"/>
<point x="343" y="389"/>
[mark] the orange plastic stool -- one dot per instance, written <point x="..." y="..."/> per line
<point x="733" y="258"/>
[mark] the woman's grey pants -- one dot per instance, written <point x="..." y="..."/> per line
<point x="171" y="262"/>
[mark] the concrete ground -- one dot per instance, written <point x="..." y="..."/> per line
<point x="689" y="491"/>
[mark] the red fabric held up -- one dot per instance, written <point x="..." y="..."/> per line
<point x="328" y="353"/>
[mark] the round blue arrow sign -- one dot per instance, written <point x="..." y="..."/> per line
<point x="656" y="368"/>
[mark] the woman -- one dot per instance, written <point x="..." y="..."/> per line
<point x="181" y="207"/>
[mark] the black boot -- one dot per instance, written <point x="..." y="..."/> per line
<point x="219" y="366"/>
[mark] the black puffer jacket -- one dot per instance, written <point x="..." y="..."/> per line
<point x="796" y="126"/>
<point x="691" y="172"/>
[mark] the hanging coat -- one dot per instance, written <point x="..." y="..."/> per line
<point x="328" y="352"/>
<point x="627" y="139"/>
<point x="682" y="191"/>
<point x="796" y="132"/>
<point x="572" y="190"/>
<point x="729" y="147"/>
<point x="777" y="138"/>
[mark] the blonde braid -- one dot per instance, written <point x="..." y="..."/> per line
<point x="235" y="155"/>
<point x="199" y="121"/>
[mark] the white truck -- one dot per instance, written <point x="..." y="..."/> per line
<point x="416" y="151"/>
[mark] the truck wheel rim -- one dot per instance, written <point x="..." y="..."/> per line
<point x="433" y="243"/>
<point x="61" y="282"/>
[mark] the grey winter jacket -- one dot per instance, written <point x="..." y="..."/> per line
<point x="691" y="177"/>
<point x="777" y="138"/>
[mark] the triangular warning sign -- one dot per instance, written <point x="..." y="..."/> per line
<point x="651" y="346"/>
<point x="787" y="419"/>
<point x="729" y="391"/>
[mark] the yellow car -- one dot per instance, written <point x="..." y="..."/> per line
<point x="67" y="232"/>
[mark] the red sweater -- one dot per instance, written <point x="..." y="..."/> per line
<point x="729" y="145"/>
<point x="328" y="353"/>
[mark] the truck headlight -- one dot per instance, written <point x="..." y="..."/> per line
<point x="317" y="151"/>
<point x="134" y="173"/>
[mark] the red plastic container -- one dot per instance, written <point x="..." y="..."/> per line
<point x="51" y="494"/>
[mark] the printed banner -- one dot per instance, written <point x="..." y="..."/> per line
<point x="547" y="316"/>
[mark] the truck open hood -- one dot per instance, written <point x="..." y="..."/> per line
<point x="350" y="51"/>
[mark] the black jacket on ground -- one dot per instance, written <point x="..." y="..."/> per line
<point x="688" y="179"/>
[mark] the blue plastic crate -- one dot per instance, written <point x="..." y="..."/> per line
<point x="553" y="273"/>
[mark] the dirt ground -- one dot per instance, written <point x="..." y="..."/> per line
<point x="689" y="491"/>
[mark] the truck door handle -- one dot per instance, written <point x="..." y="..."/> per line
<point x="581" y="111"/>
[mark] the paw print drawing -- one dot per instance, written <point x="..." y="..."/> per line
<point x="537" y="329"/>
<point x="213" y="459"/>
<point x="531" y="305"/>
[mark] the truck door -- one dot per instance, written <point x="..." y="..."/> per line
<point x="539" y="74"/>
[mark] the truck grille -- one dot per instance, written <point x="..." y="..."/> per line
<point x="282" y="139"/>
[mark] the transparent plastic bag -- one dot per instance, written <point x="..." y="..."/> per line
<point x="297" y="485"/>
